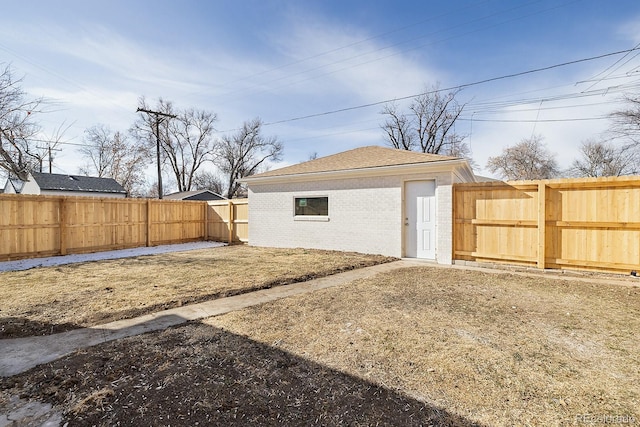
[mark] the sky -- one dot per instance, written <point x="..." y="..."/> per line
<point x="318" y="72"/>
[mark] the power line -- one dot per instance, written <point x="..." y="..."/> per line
<point x="577" y="119"/>
<point x="493" y="107"/>
<point x="610" y="68"/>
<point x="454" y="88"/>
<point x="413" y="47"/>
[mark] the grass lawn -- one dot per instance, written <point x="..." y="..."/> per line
<point x="416" y="346"/>
<point x="53" y="299"/>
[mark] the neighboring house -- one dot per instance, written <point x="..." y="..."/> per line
<point x="12" y="186"/>
<point x="65" y="185"/>
<point x="370" y="200"/>
<point x="195" y="195"/>
<point x="480" y="178"/>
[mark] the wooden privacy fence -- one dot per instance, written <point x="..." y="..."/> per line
<point x="35" y="226"/>
<point x="567" y="223"/>
<point x="228" y="220"/>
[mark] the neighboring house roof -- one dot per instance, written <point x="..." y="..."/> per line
<point x="59" y="182"/>
<point x="371" y="159"/>
<point x="195" y="195"/>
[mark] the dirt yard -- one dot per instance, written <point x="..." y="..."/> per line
<point x="417" y="346"/>
<point x="42" y="301"/>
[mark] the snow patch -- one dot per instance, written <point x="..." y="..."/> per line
<point x="25" y="264"/>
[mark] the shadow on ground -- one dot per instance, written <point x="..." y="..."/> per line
<point x="197" y="373"/>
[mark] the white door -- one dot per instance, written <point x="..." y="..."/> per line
<point x="420" y="221"/>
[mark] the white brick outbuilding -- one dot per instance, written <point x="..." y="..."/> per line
<point x="372" y="200"/>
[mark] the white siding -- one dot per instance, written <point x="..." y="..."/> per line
<point x="8" y="188"/>
<point x="444" y="213"/>
<point x="365" y="215"/>
<point x="30" y="186"/>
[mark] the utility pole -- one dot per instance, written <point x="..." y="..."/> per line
<point x="49" y="149"/>
<point x="158" y="116"/>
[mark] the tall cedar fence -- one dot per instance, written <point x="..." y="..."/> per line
<point x="575" y="223"/>
<point x="591" y="224"/>
<point x="37" y="226"/>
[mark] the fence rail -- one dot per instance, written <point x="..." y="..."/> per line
<point x="36" y="226"/>
<point x="591" y="224"/>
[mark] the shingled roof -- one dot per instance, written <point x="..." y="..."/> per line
<point x="194" y="195"/>
<point x="59" y="182"/>
<point x="359" y="158"/>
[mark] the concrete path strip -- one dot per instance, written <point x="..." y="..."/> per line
<point x="21" y="354"/>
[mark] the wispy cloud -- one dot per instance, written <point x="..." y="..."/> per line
<point x="348" y="60"/>
<point x="631" y="29"/>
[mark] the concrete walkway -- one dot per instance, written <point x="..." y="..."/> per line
<point x="21" y="354"/>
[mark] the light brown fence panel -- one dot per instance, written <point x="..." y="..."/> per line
<point x="95" y="224"/>
<point x="594" y="224"/>
<point x="591" y="223"/>
<point x="241" y="220"/>
<point x="218" y="221"/>
<point x="28" y="225"/>
<point x="34" y="226"/>
<point x="173" y="221"/>
<point x="227" y="220"/>
<point x="496" y="221"/>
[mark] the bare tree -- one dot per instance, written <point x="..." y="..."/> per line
<point x="461" y="149"/>
<point x="398" y="128"/>
<point x="151" y="191"/>
<point x="111" y="155"/>
<point x="625" y="128"/>
<point x="626" y="121"/>
<point x="18" y="151"/>
<point x="429" y="127"/>
<point x="529" y="159"/>
<point x="245" y="153"/>
<point x="186" y="142"/>
<point x="603" y="159"/>
<point x="206" y="180"/>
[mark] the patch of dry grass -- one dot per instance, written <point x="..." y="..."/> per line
<point x="497" y="349"/>
<point x="53" y="299"/>
<point x="416" y="346"/>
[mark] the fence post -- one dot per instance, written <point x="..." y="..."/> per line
<point x="206" y="221"/>
<point x="182" y="218"/>
<point x="63" y="228"/>
<point x="148" y="222"/>
<point x="542" y="224"/>
<point x="453" y="223"/>
<point x="231" y="219"/>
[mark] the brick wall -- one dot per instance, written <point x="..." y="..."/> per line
<point x="365" y="215"/>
